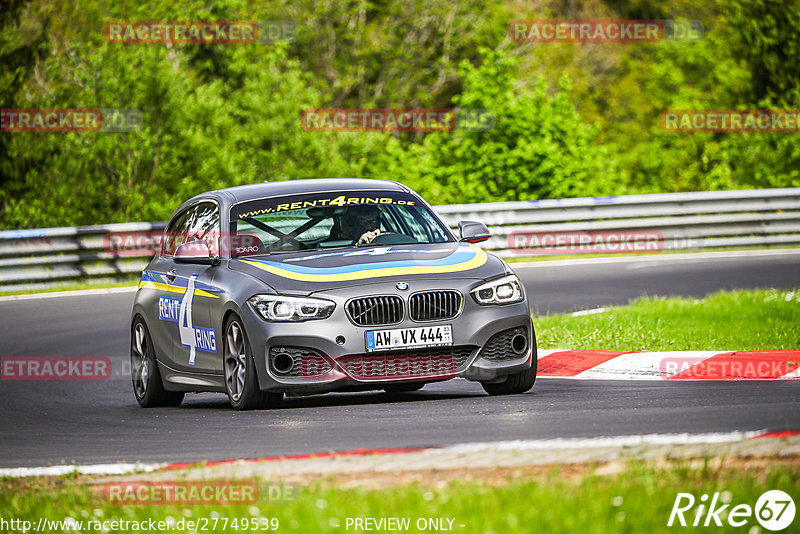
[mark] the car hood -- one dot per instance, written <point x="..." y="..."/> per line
<point x="308" y="272"/>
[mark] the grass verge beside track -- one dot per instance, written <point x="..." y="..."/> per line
<point x="633" y="497"/>
<point x="737" y="320"/>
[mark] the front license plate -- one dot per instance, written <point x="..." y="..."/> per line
<point x="409" y="338"/>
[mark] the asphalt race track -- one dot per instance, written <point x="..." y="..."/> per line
<point x="54" y="422"/>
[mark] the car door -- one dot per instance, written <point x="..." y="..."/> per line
<point x="196" y="346"/>
<point x="163" y="319"/>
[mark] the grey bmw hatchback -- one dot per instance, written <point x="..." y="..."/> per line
<point x="312" y="286"/>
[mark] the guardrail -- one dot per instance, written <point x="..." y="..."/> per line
<point x="41" y="258"/>
<point x="45" y="257"/>
<point x="698" y="220"/>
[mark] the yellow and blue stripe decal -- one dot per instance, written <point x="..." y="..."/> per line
<point x="465" y="258"/>
<point x="154" y="280"/>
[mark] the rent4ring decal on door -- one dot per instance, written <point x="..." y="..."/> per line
<point x="169" y="308"/>
<point x="179" y="310"/>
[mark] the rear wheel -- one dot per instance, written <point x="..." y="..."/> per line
<point x="147" y="384"/>
<point x="518" y="382"/>
<point x="241" y="381"/>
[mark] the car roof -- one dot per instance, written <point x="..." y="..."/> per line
<point x="244" y="193"/>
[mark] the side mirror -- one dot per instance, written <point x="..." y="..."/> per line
<point x="196" y="252"/>
<point x="473" y="231"/>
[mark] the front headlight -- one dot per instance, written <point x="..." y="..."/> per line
<point x="278" y="308"/>
<point x="506" y="290"/>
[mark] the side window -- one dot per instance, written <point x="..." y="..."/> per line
<point x="205" y="226"/>
<point x="200" y="222"/>
<point x="177" y="232"/>
<point x="431" y="226"/>
<point x="418" y="231"/>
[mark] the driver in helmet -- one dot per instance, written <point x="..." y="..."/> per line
<point x="360" y="224"/>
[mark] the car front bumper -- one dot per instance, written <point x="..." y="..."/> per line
<point x="330" y="354"/>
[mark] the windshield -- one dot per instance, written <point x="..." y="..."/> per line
<point x="328" y="220"/>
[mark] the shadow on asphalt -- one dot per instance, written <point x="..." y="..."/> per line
<point x="333" y="399"/>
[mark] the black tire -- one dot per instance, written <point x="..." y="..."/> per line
<point x="518" y="382"/>
<point x="241" y="381"/>
<point x="145" y="376"/>
<point x="404" y="388"/>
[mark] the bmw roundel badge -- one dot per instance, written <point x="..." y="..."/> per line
<point x="402" y="286"/>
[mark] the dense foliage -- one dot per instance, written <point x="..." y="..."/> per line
<point x="571" y="119"/>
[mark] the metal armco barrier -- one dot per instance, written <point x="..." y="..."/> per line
<point x="39" y="258"/>
<point x="671" y="221"/>
<point x="45" y="257"/>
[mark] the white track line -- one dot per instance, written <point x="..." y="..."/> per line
<point x="97" y="469"/>
<point x="77" y="293"/>
<point x="677" y="257"/>
<point x="593" y="311"/>
<point x="791" y="375"/>
<point x="599" y="442"/>
<point x="463" y="448"/>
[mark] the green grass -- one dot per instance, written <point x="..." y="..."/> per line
<point x="638" y="500"/>
<point x="737" y="320"/>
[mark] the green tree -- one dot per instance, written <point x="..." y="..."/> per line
<point x="21" y="47"/>
<point x="196" y="135"/>
<point x="770" y="46"/>
<point x="538" y="148"/>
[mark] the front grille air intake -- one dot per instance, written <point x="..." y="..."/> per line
<point x="296" y="362"/>
<point x="375" y="311"/>
<point x="510" y="344"/>
<point x="435" y="305"/>
<point x="401" y="364"/>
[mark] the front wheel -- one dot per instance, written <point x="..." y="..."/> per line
<point x="147" y="384"/>
<point x="241" y="381"/>
<point x="518" y="382"/>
